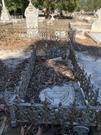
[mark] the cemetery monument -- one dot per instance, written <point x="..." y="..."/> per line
<point x="95" y="32"/>
<point x="31" y="14"/>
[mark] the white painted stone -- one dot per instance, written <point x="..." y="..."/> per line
<point x="5" y="16"/>
<point x="31" y="14"/>
<point x="58" y="94"/>
<point x="96" y="26"/>
<point x="60" y="34"/>
<point x="95" y="36"/>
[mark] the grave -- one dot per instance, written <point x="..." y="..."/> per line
<point x="96" y="26"/>
<point x="31" y="14"/>
<point x="95" y="33"/>
<point x="81" y="28"/>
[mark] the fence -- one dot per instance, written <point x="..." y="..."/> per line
<point x="26" y="112"/>
<point x="57" y="30"/>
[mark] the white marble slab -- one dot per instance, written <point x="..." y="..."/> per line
<point x="96" y="36"/>
<point x="58" y="94"/>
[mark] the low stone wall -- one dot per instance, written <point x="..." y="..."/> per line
<point x="25" y="76"/>
<point x="90" y="94"/>
<point x="92" y="50"/>
<point x="22" y="83"/>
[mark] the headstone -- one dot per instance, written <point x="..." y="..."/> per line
<point x="5" y="16"/>
<point x="31" y="14"/>
<point x="96" y="26"/>
<point x="58" y="94"/>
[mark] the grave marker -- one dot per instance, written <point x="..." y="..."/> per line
<point x="5" y="16"/>
<point x="31" y="14"/>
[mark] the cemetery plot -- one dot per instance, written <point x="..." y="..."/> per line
<point x="53" y="75"/>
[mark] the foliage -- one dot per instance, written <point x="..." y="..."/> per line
<point x="68" y="5"/>
<point x="17" y="6"/>
<point x="91" y="5"/>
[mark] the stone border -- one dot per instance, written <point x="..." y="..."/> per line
<point x="93" y="37"/>
<point x="23" y="82"/>
<point x="21" y="88"/>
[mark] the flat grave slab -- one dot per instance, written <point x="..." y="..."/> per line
<point x="95" y="36"/>
<point x="58" y="94"/>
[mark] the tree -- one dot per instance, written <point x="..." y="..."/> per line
<point x="90" y="5"/>
<point x="16" y="6"/>
<point x="51" y="5"/>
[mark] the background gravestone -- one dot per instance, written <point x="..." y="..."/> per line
<point x="96" y="26"/>
<point x="31" y="14"/>
<point x="5" y="16"/>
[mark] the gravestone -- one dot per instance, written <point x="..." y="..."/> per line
<point x="5" y="16"/>
<point x="95" y="32"/>
<point x="31" y="14"/>
<point x="58" y="94"/>
<point x="96" y="26"/>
